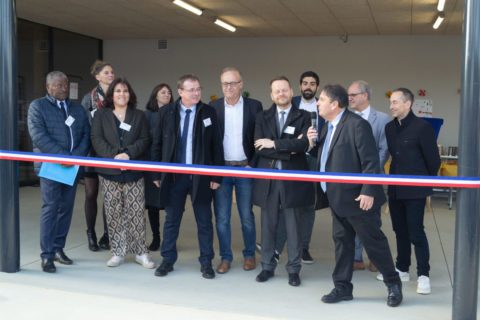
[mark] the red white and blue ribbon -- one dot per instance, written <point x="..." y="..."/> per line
<point x="354" y="178"/>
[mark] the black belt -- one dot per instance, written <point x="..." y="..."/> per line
<point x="241" y="163"/>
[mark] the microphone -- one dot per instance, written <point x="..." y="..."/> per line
<point x="313" y="118"/>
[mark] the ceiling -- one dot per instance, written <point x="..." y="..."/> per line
<point x="161" y="19"/>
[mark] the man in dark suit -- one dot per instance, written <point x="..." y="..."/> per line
<point x="412" y="144"/>
<point x="309" y="82"/>
<point x="236" y="121"/>
<point x="346" y="144"/>
<point x="280" y="140"/>
<point x="60" y="126"/>
<point x="187" y="133"/>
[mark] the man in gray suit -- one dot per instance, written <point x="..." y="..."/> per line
<point x="359" y="94"/>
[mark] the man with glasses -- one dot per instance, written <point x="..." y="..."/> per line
<point x="187" y="133"/>
<point x="60" y="126"/>
<point x="359" y="94"/>
<point x="236" y="122"/>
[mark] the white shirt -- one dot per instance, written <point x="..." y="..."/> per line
<point x="310" y="106"/>
<point x="335" y="124"/>
<point x="233" y="136"/>
<point x="183" y="113"/>
<point x="365" y="113"/>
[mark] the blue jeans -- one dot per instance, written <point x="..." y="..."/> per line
<point x="223" y="212"/>
<point x="203" y="216"/>
<point x="58" y="201"/>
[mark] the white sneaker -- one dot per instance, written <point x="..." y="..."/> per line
<point x="423" y="285"/>
<point x="115" y="261"/>
<point x="404" y="276"/>
<point x="145" y="261"/>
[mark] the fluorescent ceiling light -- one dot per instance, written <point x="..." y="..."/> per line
<point x="441" y="5"/>
<point x="225" y="25"/>
<point x="439" y="20"/>
<point x="188" y="7"/>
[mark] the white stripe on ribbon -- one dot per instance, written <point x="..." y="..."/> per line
<point x="355" y="178"/>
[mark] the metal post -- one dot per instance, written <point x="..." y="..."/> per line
<point x="9" y="222"/>
<point x="467" y="229"/>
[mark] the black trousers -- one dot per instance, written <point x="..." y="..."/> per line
<point x="407" y="221"/>
<point x="367" y="227"/>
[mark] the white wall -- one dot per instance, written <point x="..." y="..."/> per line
<point x="415" y="62"/>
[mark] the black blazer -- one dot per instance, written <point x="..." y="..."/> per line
<point x="251" y="108"/>
<point x="352" y="150"/>
<point x="414" y="151"/>
<point x="290" y="150"/>
<point x="107" y="142"/>
<point x="207" y="148"/>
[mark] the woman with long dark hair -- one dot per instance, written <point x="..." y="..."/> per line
<point x="92" y="102"/>
<point x="121" y="132"/>
<point x="161" y="95"/>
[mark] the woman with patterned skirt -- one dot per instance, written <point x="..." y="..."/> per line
<point x="121" y="132"/>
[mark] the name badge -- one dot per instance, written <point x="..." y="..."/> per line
<point x="289" y="130"/>
<point x="92" y="113"/>
<point x="70" y="120"/>
<point x="125" y="126"/>
<point x="207" y="122"/>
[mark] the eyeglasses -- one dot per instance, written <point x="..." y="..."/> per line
<point x="353" y="95"/>
<point x="193" y="90"/>
<point x="231" y="84"/>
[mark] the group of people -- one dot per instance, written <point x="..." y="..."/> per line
<point x="296" y="133"/>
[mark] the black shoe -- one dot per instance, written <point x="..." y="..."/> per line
<point x="48" y="265"/>
<point x="337" y="295"/>
<point x="155" y="245"/>
<point x="92" y="241"/>
<point x="306" y="257"/>
<point x="207" y="271"/>
<point x="264" y="275"/>
<point x="395" y="296"/>
<point x="104" y="243"/>
<point x="62" y="258"/>
<point x="164" y="269"/>
<point x="294" y="279"/>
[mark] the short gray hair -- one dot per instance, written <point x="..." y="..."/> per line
<point x="55" y="75"/>
<point x="364" y="87"/>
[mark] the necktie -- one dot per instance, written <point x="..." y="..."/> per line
<point x="281" y="123"/>
<point x="182" y="155"/>
<point x="62" y="106"/>
<point x="324" y="157"/>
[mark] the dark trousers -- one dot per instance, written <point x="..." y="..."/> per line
<point x="203" y="216"/>
<point x="271" y="215"/>
<point x="56" y="215"/>
<point x="407" y="221"/>
<point x="367" y="227"/>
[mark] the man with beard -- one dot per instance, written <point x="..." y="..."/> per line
<point x="309" y="82"/>
<point x="280" y="142"/>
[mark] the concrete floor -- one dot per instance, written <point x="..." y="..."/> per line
<point x="89" y="289"/>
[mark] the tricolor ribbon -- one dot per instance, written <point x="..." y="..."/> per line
<point x="354" y="178"/>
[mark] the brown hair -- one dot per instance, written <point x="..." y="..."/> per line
<point x="98" y="66"/>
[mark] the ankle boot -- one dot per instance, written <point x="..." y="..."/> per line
<point x="155" y="245"/>
<point x="104" y="242"/>
<point x="92" y="241"/>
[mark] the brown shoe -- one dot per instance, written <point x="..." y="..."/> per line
<point x="372" y="267"/>
<point x="223" y="267"/>
<point x="249" y="264"/>
<point x="358" y="265"/>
